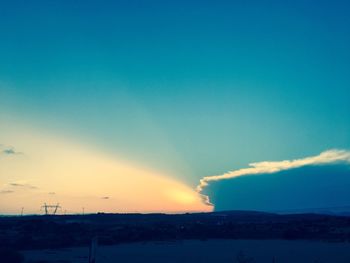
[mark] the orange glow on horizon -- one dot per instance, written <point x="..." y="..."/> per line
<point x="57" y="171"/>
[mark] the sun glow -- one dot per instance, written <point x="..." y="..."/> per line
<point x="51" y="169"/>
<point x="183" y="196"/>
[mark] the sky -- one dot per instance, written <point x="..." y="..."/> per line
<point x="127" y="105"/>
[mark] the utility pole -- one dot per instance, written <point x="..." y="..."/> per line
<point x="22" y="211"/>
<point x="92" y="250"/>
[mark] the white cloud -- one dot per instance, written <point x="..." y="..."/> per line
<point x="267" y="167"/>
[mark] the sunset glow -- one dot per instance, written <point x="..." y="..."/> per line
<point x="55" y="170"/>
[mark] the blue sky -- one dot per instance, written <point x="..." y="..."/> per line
<point x="191" y="88"/>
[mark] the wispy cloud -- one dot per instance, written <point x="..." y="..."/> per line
<point x="6" y="191"/>
<point x="8" y="150"/>
<point x="12" y="187"/>
<point x="22" y="185"/>
<point x="268" y="167"/>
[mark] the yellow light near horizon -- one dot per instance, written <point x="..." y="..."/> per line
<point x="183" y="196"/>
<point x="76" y="176"/>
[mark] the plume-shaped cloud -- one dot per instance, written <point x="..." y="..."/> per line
<point x="268" y="167"/>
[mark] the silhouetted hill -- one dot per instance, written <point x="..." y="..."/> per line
<point x="76" y="230"/>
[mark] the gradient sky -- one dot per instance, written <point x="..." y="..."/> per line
<point x="185" y="88"/>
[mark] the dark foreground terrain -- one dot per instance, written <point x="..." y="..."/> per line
<point x="197" y="251"/>
<point x="61" y="231"/>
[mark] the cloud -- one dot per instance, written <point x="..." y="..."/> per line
<point x="10" y="187"/>
<point x="304" y="188"/>
<point x="22" y="185"/>
<point x="6" y="191"/>
<point x="8" y="150"/>
<point x="268" y="167"/>
<point x="105" y="197"/>
<point x="51" y="193"/>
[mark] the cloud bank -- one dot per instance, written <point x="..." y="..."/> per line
<point x="268" y="167"/>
